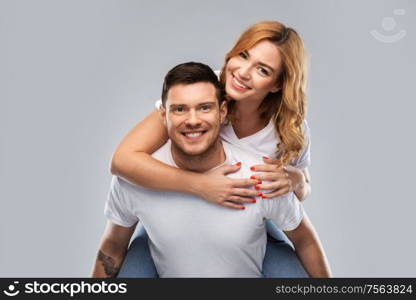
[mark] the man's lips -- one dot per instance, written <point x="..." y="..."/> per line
<point x="194" y="134"/>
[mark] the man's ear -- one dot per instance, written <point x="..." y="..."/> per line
<point x="223" y="111"/>
<point x="162" y="113"/>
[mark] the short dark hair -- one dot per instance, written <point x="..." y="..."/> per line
<point x="189" y="73"/>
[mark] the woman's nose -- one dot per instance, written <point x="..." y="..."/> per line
<point x="244" y="72"/>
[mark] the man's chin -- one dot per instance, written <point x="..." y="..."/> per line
<point x="194" y="148"/>
<point x="193" y="151"/>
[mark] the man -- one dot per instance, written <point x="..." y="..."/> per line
<point x="190" y="237"/>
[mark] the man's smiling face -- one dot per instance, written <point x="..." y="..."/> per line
<point x="193" y="117"/>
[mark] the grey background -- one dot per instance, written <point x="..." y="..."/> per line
<point x="75" y="76"/>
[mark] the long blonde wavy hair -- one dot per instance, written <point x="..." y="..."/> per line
<point x="287" y="107"/>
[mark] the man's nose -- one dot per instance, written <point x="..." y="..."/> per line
<point x="193" y="118"/>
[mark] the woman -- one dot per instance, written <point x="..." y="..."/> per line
<point x="264" y="76"/>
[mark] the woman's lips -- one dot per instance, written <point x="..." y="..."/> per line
<point x="238" y="85"/>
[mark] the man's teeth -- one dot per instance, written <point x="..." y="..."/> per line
<point x="193" y="134"/>
<point x="239" y="84"/>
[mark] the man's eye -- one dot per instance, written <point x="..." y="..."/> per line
<point x="179" y="109"/>
<point x="205" y="107"/>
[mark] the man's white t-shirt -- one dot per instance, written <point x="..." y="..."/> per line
<point x="190" y="237"/>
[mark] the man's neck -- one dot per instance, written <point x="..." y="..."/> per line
<point x="213" y="157"/>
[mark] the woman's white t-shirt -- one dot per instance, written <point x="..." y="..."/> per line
<point x="264" y="142"/>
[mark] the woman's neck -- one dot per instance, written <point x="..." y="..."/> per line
<point x="247" y="119"/>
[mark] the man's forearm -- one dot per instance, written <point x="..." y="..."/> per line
<point x="313" y="259"/>
<point x="108" y="261"/>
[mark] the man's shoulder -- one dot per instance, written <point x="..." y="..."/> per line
<point x="123" y="188"/>
<point x="126" y="191"/>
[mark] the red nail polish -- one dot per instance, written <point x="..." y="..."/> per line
<point x="260" y="195"/>
<point x="252" y="177"/>
<point x="264" y="197"/>
<point x="238" y="164"/>
<point x="259" y="181"/>
<point x="253" y="201"/>
<point x="252" y="168"/>
<point x="243" y="207"/>
<point x="257" y="187"/>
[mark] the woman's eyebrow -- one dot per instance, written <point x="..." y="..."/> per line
<point x="260" y="63"/>
<point x="266" y="65"/>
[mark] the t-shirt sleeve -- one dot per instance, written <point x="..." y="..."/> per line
<point x="117" y="207"/>
<point x="158" y="103"/>
<point x="285" y="211"/>
<point x="304" y="159"/>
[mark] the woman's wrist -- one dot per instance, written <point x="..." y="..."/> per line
<point x="297" y="177"/>
<point x="194" y="183"/>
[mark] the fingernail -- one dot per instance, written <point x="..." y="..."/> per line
<point x="260" y="195"/>
<point x="252" y="168"/>
<point x="238" y="164"/>
<point x="259" y="181"/>
<point x="264" y="197"/>
<point x="257" y="187"/>
<point x="253" y="201"/>
<point x="252" y="177"/>
<point x="265" y="157"/>
<point x="243" y="207"/>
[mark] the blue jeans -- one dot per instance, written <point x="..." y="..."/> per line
<point x="280" y="259"/>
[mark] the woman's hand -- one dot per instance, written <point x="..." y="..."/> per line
<point x="282" y="179"/>
<point x="217" y="188"/>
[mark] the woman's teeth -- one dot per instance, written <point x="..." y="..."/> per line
<point x="239" y="84"/>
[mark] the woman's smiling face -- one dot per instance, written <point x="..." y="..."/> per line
<point x="252" y="74"/>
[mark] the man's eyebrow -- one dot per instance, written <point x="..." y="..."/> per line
<point x="201" y="103"/>
<point x="208" y="102"/>
<point x="175" y="105"/>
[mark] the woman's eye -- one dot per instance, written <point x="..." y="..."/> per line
<point x="263" y="71"/>
<point x="243" y="55"/>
